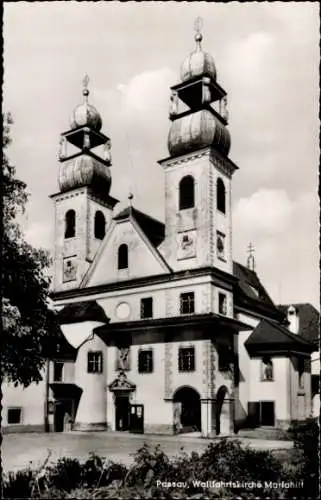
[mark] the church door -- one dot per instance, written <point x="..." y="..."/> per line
<point x="122" y="409"/>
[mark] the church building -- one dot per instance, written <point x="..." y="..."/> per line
<point x="161" y="331"/>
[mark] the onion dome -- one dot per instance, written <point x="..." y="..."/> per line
<point x="85" y="114"/>
<point x="198" y="62"/>
<point x="198" y="130"/>
<point x="84" y="170"/>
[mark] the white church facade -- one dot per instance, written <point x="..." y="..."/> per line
<point x="161" y="331"/>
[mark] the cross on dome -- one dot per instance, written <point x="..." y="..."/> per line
<point x="198" y="25"/>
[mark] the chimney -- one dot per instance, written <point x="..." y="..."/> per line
<point x="293" y="319"/>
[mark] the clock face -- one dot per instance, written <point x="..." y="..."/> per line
<point x="123" y="310"/>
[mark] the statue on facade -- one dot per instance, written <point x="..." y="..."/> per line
<point x="62" y="147"/>
<point x="173" y="105"/>
<point x="107" y="152"/>
<point x="206" y="92"/>
<point x="223" y="108"/>
<point x="123" y="359"/>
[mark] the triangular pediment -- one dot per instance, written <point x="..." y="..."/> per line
<point x="122" y="384"/>
<point x="143" y="258"/>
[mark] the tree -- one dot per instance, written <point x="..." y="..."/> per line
<point x="27" y="321"/>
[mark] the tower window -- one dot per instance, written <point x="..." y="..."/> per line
<point x="123" y="257"/>
<point x="100" y="225"/>
<point x="70" y="224"/>
<point x="186" y="193"/>
<point x="146" y="308"/>
<point x="95" y="362"/>
<point x="187" y="303"/>
<point x="220" y="195"/>
<point x="186" y="359"/>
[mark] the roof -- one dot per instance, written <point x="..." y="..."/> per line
<point x="78" y="312"/>
<point x="251" y="294"/>
<point x="152" y="228"/>
<point x="56" y="346"/>
<point x="309" y="320"/>
<point x="268" y="335"/>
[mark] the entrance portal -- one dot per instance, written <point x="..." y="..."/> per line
<point x="223" y="411"/>
<point x="122" y="412"/>
<point x="63" y="415"/>
<point x="187" y="410"/>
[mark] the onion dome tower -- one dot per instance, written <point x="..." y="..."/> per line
<point x="83" y="205"/>
<point x="201" y="124"/>
<point x="198" y="171"/>
<point x="85" y="168"/>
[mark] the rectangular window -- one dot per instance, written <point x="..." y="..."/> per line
<point x="301" y="372"/>
<point x="146" y="308"/>
<point x="225" y="358"/>
<point x="222" y="303"/>
<point x="95" y="362"/>
<point x="267" y="370"/>
<point x="14" y="415"/>
<point x="186" y="359"/>
<point x="58" y="371"/>
<point x="145" y="361"/>
<point x="187" y="303"/>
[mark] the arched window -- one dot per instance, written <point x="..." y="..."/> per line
<point x="186" y="193"/>
<point x="123" y="257"/>
<point x="220" y="195"/>
<point x="70" y="224"/>
<point x="100" y="225"/>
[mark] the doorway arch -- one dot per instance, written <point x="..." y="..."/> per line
<point x="187" y="410"/>
<point x="223" y="411"/>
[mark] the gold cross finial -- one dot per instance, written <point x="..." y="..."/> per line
<point x="251" y="259"/>
<point x="198" y="24"/>
<point x="251" y="248"/>
<point x="85" y="81"/>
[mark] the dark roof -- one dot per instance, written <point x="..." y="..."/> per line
<point x="268" y="335"/>
<point x="78" y="312"/>
<point x="309" y="320"/>
<point x="251" y="294"/>
<point x="153" y="228"/>
<point x="55" y="345"/>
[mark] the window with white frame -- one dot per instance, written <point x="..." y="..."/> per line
<point x="145" y="361"/>
<point x="186" y="359"/>
<point x="94" y="362"/>
<point x="187" y="303"/>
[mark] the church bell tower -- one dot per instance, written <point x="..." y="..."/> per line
<point x="83" y="206"/>
<point x="198" y="172"/>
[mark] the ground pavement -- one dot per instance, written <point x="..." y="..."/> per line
<point x="21" y="450"/>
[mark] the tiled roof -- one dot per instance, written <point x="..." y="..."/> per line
<point x="153" y="228"/>
<point x="309" y="320"/>
<point x="269" y="335"/>
<point x="251" y="294"/>
<point x="78" y="312"/>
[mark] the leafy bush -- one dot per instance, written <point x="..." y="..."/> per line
<point x="306" y="437"/>
<point x="66" y="474"/>
<point x="17" y="484"/>
<point x="223" y="460"/>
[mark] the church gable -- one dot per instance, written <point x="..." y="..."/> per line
<point x="127" y="253"/>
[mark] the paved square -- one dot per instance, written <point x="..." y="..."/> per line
<point x="19" y="450"/>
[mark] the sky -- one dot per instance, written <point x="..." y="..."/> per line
<point x="267" y="59"/>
